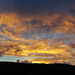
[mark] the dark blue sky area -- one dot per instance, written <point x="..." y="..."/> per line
<point x="37" y="6"/>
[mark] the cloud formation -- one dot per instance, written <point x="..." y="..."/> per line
<point x="26" y="27"/>
<point x="38" y="6"/>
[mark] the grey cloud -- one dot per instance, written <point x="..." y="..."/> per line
<point x="72" y="45"/>
<point x="38" y="6"/>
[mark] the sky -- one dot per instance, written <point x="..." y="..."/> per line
<point x="41" y="31"/>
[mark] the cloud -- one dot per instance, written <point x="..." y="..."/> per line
<point x="35" y="24"/>
<point x="72" y="45"/>
<point x="42" y="53"/>
<point x="15" y="28"/>
<point x="23" y="22"/>
<point x="38" y="6"/>
<point x="51" y="60"/>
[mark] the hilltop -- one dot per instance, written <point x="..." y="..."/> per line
<point x="12" y="68"/>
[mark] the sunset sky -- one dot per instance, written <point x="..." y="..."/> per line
<point x="41" y="31"/>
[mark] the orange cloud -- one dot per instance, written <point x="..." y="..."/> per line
<point x="56" y="52"/>
<point x="11" y="22"/>
<point x="15" y="27"/>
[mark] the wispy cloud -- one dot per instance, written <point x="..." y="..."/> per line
<point x="22" y="24"/>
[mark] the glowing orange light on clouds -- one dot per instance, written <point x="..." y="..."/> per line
<point x="13" y="27"/>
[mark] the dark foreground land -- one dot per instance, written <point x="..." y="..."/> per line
<point x="7" y="68"/>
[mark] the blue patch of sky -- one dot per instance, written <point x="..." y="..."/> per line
<point x="68" y="41"/>
<point x="29" y="36"/>
<point x="46" y="36"/>
<point x="49" y="36"/>
<point x="6" y="38"/>
<point x="63" y="35"/>
<point x="34" y="36"/>
<point x="11" y="58"/>
<point x="1" y="36"/>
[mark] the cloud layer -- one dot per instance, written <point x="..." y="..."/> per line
<point x="44" y="31"/>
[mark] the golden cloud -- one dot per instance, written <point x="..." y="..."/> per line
<point x="16" y="28"/>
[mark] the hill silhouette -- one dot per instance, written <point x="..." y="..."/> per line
<point x="11" y="68"/>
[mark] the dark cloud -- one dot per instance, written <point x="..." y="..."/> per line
<point x="72" y="45"/>
<point x="38" y="6"/>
